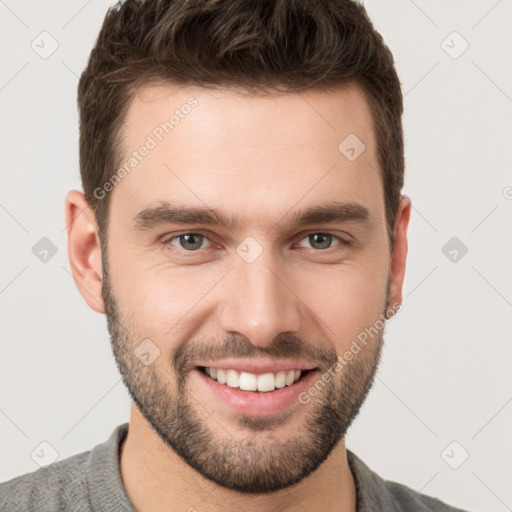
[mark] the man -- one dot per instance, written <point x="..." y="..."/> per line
<point x="243" y="229"/>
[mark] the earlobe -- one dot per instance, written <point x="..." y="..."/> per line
<point x="399" y="253"/>
<point x="84" y="250"/>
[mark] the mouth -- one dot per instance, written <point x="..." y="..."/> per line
<point x="246" y="381"/>
<point x="255" y="394"/>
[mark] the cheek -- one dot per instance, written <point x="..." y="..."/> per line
<point x="346" y="300"/>
<point x="163" y="301"/>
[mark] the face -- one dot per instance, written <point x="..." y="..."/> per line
<point x="246" y="253"/>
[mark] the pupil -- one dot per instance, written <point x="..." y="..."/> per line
<point x="187" y="244"/>
<point x="326" y="240"/>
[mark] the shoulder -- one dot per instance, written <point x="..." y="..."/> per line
<point x="59" y="486"/>
<point x="413" y="501"/>
<point x="376" y="493"/>
<point x="84" y="482"/>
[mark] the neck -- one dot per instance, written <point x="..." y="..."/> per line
<point x="157" y="479"/>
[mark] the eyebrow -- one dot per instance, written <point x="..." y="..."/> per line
<point x="166" y="213"/>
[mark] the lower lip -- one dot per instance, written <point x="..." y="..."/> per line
<point x="257" y="403"/>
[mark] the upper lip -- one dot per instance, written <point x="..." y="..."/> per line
<point x="257" y="367"/>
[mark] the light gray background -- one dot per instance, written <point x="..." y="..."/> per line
<point x="445" y="374"/>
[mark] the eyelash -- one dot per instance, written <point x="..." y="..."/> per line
<point x="166" y="242"/>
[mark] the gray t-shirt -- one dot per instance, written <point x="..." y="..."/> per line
<point x="91" y="481"/>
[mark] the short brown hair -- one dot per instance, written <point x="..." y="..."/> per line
<point x="261" y="46"/>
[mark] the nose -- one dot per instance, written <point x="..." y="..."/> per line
<point x="259" y="302"/>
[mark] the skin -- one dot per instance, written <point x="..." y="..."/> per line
<point x="260" y="159"/>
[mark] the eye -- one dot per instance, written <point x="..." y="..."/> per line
<point x="195" y="242"/>
<point x="189" y="242"/>
<point x="323" y="241"/>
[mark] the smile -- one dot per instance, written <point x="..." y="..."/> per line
<point x="246" y="381"/>
<point x="253" y="387"/>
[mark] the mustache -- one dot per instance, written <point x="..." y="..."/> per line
<point x="286" y="345"/>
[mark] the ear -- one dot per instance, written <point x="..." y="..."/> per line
<point x="84" y="250"/>
<point x="399" y="252"/>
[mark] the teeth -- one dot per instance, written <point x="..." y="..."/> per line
<point x="281" y="379"/>
<point x="252" y="382"/>
<point x="266" y="382"/>
<point x="221" y="376"/>
<point x="290" y="377"/>
<point x="248" y="381"/>
<point x="232" y="378"/>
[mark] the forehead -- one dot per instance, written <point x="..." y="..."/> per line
<point x="234" y="151"/>
<point x="288" y="118"/>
